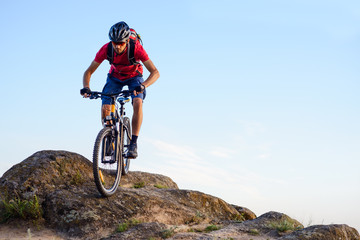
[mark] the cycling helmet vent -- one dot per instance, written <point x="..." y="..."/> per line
<point x="119" y="32"/>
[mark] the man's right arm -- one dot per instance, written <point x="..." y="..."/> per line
<point x="87" y="75"/>
<point x="91" y="69"/>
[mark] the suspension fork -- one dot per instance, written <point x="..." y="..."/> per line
<point x="122" y="113"/>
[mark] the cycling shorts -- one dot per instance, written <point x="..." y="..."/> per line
<point x="114" y="85"/>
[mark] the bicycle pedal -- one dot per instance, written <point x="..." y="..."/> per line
<point x="129" y="157"/>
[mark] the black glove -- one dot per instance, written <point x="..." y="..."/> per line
<point x="85" y="90"/>
<point x="140" y="88"/>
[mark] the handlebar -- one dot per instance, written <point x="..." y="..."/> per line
<point x="124" y="93"/>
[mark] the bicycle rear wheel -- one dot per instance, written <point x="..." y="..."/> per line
<point x="126" y="133"/>
<point x="107" y="160"/>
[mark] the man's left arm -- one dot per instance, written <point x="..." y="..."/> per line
<point x="154" y="73"/>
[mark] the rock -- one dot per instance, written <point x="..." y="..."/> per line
<point x="81" y="215"/>
<point x="245" y="212"/>
<point x="152" y="230"/>
<point x="48" y="171"/>
<point x="324" y="232"/>
<point x="263" y="227"/>
<point x="71" y="205"/>
<point x="273" y="222"/>
<point x="148" y="179"/>
<point x="44" y="172"/>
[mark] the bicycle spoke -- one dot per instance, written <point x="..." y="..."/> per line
<point x="107" y="168"/>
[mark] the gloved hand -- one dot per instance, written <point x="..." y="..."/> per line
<point x="140" y="88"/>
<point x="86" y="91"/>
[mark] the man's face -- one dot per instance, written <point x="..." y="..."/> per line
<point x="120" y="46"/>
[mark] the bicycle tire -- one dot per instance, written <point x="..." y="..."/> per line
<point x="107" y="162"/>
<point x="126" y="133"/>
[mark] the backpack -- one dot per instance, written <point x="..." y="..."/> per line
<point x="134" y="37"/>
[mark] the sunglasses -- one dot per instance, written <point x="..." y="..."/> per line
<point x="119" y="43"/>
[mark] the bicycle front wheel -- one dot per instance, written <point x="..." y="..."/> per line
<point x="107" y="160"/>
<point x="126" y="133"/>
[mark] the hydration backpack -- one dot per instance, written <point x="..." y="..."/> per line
<point x="134" y="37"/>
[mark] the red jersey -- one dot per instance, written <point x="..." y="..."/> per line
<point x="121" y="67"/>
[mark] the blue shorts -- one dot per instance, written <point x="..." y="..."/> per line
<point x="114" y="85"/>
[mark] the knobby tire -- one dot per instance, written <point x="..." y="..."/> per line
<point x="107" y="162"/>
<point x="125" y="135"/>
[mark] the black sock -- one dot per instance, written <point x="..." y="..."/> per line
<point x="134" y="139"/>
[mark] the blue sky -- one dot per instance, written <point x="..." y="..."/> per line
<point x="257" y="103"/>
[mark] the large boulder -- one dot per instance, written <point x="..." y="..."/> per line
<point x="62" y="183"/>
<point x="48" y="171"/>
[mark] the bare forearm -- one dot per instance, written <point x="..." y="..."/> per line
<point x="87" y="74"/>
<point x="86" y="79"/>
<point x="153" y="77"/>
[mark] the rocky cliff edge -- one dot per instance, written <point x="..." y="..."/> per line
<point x="56" y="190"/>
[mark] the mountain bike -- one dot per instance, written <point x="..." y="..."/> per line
<point x="110" y="159"/>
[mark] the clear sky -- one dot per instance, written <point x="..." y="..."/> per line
<point x="257" y="103"/>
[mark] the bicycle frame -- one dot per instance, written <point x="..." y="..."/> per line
<point x="117" y="112"/>
<point x="109" y="153"/>
<point x="121" y="112"/>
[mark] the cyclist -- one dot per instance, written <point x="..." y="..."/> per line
<point x="123" y="73"/>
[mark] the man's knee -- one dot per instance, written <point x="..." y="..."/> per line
<point x="105" y="110"/>
<point x="137" y="103"/>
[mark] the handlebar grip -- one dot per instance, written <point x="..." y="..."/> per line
<point x="94" y="95"/>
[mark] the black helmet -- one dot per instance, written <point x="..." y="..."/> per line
<point x="119" y="32"/>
